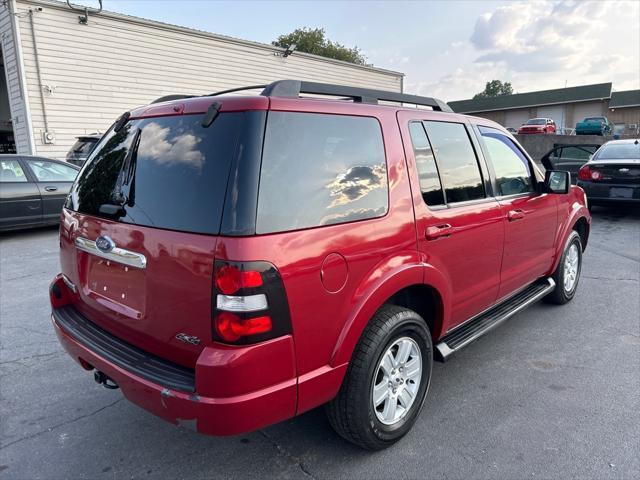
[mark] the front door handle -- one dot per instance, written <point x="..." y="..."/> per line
<point x="514" y="215"/>
<point x="438" y="231"/>
<point x="51" y="189"/>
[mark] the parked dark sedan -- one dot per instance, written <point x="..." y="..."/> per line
<point x="32" y="190"/>
<point x="613" y="174"/>
<point x="569" y="158"/>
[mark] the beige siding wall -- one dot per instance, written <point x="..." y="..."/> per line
<point x="93" y="73"/>
<point x="17" y="104"/>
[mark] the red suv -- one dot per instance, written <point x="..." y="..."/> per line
<point x="233" y="261"/>
<point x="538" y="125"/>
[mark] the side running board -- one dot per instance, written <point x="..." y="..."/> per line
<point x="473" y="329"/>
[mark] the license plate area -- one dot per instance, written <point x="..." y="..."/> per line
<point x="118" y="287"/>
<point x="620" y="192"/>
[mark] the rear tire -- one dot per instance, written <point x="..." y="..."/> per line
<point x="380" y="398"/>
<point x="567" y="273"/>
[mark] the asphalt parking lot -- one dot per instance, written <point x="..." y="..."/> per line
<point x="552" y="393"/>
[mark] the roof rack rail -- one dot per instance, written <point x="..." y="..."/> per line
<point x="293" y="89"/>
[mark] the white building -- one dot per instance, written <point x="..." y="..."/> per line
<point x="63" y="78"/>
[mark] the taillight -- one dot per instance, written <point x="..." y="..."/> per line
<point x="249" y="303"/>
<point x="586" y="173"/>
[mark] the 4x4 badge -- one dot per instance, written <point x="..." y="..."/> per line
<point x="183" y="337"/>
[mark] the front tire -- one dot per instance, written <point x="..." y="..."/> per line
<point x="567" y="273"/>
<point x="386" y="383"/>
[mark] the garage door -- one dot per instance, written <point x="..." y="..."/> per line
<point x="555" y="112"/>
<point x="584" y="110"/>
<point x="515" y="118"/>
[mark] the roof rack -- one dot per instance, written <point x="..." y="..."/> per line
<point x="293" y="89"/>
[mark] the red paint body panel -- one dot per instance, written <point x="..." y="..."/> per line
<point x="335" y="277"/>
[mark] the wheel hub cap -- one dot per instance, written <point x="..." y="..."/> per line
<point x="571" y="268"/>
<point x="397" y="381"/>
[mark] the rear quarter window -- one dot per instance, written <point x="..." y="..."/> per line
<point x="320" y="169"/>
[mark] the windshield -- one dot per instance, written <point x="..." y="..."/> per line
<point x="84" y="146"/>
<point x="618" y="151"/>
<point x="165" y="172"/>
<point x="537" y="121"/>
<point x="594" y="119"/>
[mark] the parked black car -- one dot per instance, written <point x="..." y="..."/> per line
<point x="569" y="158"/>
<point x="32" y="190"/>
<point x="613" y="174"/>
<point x="83" y="147"/>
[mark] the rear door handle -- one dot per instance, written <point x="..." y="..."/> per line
<point x="438" y="231"/>
<point x="514" y="215"/>
<point x="51" y="189"/>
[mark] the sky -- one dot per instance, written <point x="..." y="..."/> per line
<point x="447" y="49"/>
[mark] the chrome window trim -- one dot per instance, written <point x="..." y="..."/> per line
<point x="118" y="255"/>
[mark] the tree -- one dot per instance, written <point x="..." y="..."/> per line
<point x="495" y="88"/>
<point x="313" y="40"/>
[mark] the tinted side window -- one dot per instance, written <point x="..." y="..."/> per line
<point x="425" y="162"/>
<point x="320" y="169"/>
<point x="456" y="160"/>
<point x="513" y="173"/>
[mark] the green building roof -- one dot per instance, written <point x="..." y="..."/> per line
<point x="583" y="93"/>
<point x="628" y="98"/>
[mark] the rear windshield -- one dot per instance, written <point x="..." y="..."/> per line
<point x="166" y="172"/>
<point x="620" y="151"/>
<point x="84" y="146"/>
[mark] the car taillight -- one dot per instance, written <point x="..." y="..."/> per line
<point x="586" y="173"/>
<point x="249" y="303"/>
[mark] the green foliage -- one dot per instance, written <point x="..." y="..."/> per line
<point x="495" y="88"/>
<point x="313" y="40"/>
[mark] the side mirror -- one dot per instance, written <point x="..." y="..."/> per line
<point x="557" y="181"/>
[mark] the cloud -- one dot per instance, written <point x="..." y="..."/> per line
<point x="539" y="36"/>
<point x="541" y="45"/>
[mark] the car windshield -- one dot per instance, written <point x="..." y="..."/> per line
<point x="619" y="151"/>
<point x="537" y="121"/>
<point x="594" y="119"/>
<point x="84" y="146"/>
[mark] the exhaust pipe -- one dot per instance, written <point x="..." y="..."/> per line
<point x="105" y="381"/>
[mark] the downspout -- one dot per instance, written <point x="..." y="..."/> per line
<point x="37" y="61"/>
<point x="17" y="48"/>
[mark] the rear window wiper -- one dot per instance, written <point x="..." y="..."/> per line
<point x="123" y="191"/>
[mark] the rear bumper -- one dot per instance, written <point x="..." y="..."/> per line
<point x="601" y="192"/>
<point x="232" y="414"/>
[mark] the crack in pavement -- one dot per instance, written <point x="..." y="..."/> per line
<point x="610" y="278"/>
<point x="303" y="468"/>
<point x="68" y="422"/>
<point x="39" y="355"/>
<point x="615" y="252"/>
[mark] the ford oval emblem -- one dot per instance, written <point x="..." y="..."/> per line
<point x="105" y="244"/>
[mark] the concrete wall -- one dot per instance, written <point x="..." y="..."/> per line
<point x="91" y="74"/>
